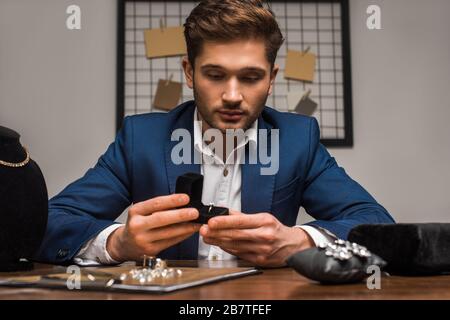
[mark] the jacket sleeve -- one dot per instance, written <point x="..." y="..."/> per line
<point x="90" y="204"/>
<point x="332" y="197"/>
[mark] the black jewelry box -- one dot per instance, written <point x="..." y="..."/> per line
<point x="192" y="184"/>
<point x="409" y="249"/>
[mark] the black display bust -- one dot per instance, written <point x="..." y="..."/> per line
<point x="23" y="204"/>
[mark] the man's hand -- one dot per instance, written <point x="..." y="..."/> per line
<point x="259" y="238"/>
<point x="152" y="226"/>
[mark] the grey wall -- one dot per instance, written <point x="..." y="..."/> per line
<point x="57" y="88"/>
<point x="401" y="85"/>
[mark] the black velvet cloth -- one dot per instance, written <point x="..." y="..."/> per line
<point x="192" y="184"/>
<point x="409" y="249"/>
<point x="23" y="205"/>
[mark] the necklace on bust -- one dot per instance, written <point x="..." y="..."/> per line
<point x="18" y="164"/>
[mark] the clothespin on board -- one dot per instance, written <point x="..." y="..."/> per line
<point x="306" y="95"/>
<point x="170" y="79"/>
<point x="306" y="51"/>
<point x="162" y="24"/>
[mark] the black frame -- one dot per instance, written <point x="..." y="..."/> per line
<point x="346" y="68"/>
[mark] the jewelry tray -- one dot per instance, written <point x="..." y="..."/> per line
<point x="99" y="279"/>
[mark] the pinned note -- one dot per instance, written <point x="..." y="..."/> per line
<point x="300" y="65"/>
<point x="168" y="93"/>
<point x="164" y="42"/>
<point x="306" y="106"/>
<point x="301" y="103"/>
<point x="293" y="98"/>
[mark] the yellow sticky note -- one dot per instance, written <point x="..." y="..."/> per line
<point x="300" y="65"/>
<point x="164" y="42"/>
<point x="168" y="93"/>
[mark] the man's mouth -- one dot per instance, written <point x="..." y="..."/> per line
<point x="230" y="115"/>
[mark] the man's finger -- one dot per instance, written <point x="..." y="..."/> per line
<point x="164" y="244"/>
<point x="173" y="231"/>
<point x="231" y="234"/>
<point x="238" y="221"/>
<point x="166" y="218"/>
<point x="161" y="203"/>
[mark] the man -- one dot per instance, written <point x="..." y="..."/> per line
<point x="232" y="46"/>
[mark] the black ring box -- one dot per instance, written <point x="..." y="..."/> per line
<point x="192" y="184"/>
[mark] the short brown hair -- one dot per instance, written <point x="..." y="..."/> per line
<point x="227" y="20"/>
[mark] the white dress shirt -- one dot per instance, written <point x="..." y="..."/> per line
<point x="221" y="186"/>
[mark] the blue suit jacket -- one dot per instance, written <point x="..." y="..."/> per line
<point x="137" y="166"/>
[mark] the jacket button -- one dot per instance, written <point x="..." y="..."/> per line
<point x="62" y="253"/>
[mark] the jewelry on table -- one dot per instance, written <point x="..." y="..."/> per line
<point x="152" y="269"/>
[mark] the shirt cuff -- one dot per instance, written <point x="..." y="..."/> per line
<point x="318" y="235"/>
<point x="94" y="251"/>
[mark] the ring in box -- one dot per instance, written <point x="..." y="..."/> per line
<point x="192" y="184"/>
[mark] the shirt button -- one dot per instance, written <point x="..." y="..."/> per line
<point x="214" y="257"/>
<point x="225" y="172"/>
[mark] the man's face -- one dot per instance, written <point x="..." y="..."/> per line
<point x="231" y="83"/>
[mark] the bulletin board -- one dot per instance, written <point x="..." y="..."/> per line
<point x="320" y="26"/>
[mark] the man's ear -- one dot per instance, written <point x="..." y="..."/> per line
<point x="273" y="75"/>
<point x="188" y="72"/>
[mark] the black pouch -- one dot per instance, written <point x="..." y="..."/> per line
<point x="335" y="263"/>
<point x="192" y="184"/>
<point x="409" y="249"/>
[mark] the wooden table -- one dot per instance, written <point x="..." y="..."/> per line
<point x="271" y="284"/>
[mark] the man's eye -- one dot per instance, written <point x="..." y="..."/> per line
<point x="215" y="76"/>
<point x="250" y="79"/>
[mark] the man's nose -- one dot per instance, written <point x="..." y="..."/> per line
<point x="232" y="93"/>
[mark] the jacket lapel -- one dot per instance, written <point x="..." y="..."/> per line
<point x="256" y="189"/>
<point x="188" y="249"/>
